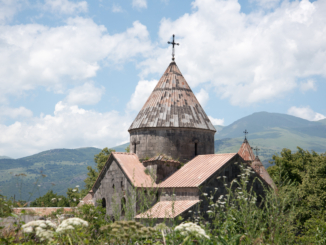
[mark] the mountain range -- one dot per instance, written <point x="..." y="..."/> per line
<point x="58" y="169"/>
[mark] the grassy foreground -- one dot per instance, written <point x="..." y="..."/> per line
<point x="294" y="214"/>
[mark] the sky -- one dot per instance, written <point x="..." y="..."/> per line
<point x="76" y="73"/>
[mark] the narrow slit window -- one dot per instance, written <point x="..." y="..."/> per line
<point x="196" y="152"/>
<point x="135" y="148"/>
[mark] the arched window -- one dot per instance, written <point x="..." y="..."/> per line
<point x="123" y="206"/>
<point x="103" y="203"/>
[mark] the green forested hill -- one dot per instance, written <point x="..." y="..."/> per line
<point x="272" y="132"/>
<point x="60" y="169"/>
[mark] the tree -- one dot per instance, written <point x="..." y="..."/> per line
<point x="302" y="175"/>
<point x="50" y="199"/>
<point x="100" y="160"/>
<point x="127" y="149"/>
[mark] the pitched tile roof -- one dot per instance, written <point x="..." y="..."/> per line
<point x="261" y="170"/>
<point x="172" y="104"/>
<point x="197" y="170"/>
<point x="246" y="152"/>
<point x="134" y="169"/>
<point x="167" y="209"/>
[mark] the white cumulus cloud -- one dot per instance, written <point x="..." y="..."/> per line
<point x="34" y="55"/>
<point x="305" y="113"/>
<point x="139" y="4"/>
<point x="216" y="121"/>
<point x="66" y="6"/>
<point x="247" y="58"/>
<point x="14" y="112"/>
<point x="202" y="96"/>
<point x="68" y="127"/>
<point x="8" y="8"/>
<point x="87" y="94"/>
<point x="309" y="85"/>
<point x="143" y="90"/>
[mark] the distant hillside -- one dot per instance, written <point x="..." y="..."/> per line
<point x="59" y="169"/>
<point x="56" y="169"/>
<point x="5" y="157"/>
<point x="272" y="132"/>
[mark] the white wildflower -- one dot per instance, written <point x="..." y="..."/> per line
<point x="42" y="229"/>
<point x="74" y="190"/>
<point x="74" y="199"/>
<point x="216" y="188"/>
<point x="77" y="186"/>
<point x="187" y="229"/>
<point x="224" y="177"/>
<point x="218" y="177"/>
<point x="220" y="197"/>
<point x="69" y="224"/>
<point x="209" y="211"/>
<point x="205" y="194"/>
<point x="225" y="184"/>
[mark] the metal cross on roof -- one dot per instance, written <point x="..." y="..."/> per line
<point x="173" y="43"/>
<point x="245" y="132"/>
<point x="256" y="149"/>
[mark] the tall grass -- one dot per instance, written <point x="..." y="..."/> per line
<point x="238" y="217"/>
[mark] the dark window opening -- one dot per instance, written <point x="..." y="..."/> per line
<point x="121" y="183"/>
<point x="103" y="203"/>
<point x="113" y="186"/>
<point x="196" y="152"/>
<point x="135" y="148"/>
<point x="123" y="206"/>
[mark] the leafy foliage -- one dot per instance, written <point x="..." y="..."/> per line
<point x="50" y="199"/>
<point x="302" y="176"/>
<point x="100" y="160"/>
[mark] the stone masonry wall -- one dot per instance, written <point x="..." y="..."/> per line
<point x="174" y="142"/>
<point x="113" y="187"/>
<point x="231" y="171"/>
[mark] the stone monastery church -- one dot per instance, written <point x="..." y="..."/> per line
<point x="171" y="152"/>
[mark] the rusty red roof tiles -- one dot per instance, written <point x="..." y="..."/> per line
<point x="246" y="152"/>
<point x="134" y="169"/>
<point x="172" y="104"/>
<point x="197" y="170"/>
<point x="167" y="209"/>
<point x="261" y="170"/>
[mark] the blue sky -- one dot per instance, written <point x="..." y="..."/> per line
<point x="75" y="73"/>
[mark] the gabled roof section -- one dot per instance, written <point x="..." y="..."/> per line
<point x="246" y="152"/>
<point x="172" y="104"/>
<point x="197" y="170"/>
<point x="167" y="209"/>
<point x="131" y="166"/>
<point x="134" y="169"/>
<point x="261" y="170"/>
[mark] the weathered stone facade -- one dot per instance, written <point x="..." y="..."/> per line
<point x="113" y="187"/>
<point x="177" y="143"/>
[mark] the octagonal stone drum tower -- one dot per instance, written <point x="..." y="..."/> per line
<point x="172" y="122"/>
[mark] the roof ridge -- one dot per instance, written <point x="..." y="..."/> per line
<point x="123" y="153"/>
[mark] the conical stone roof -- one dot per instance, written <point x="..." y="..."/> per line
<point x="172" y="104"/>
